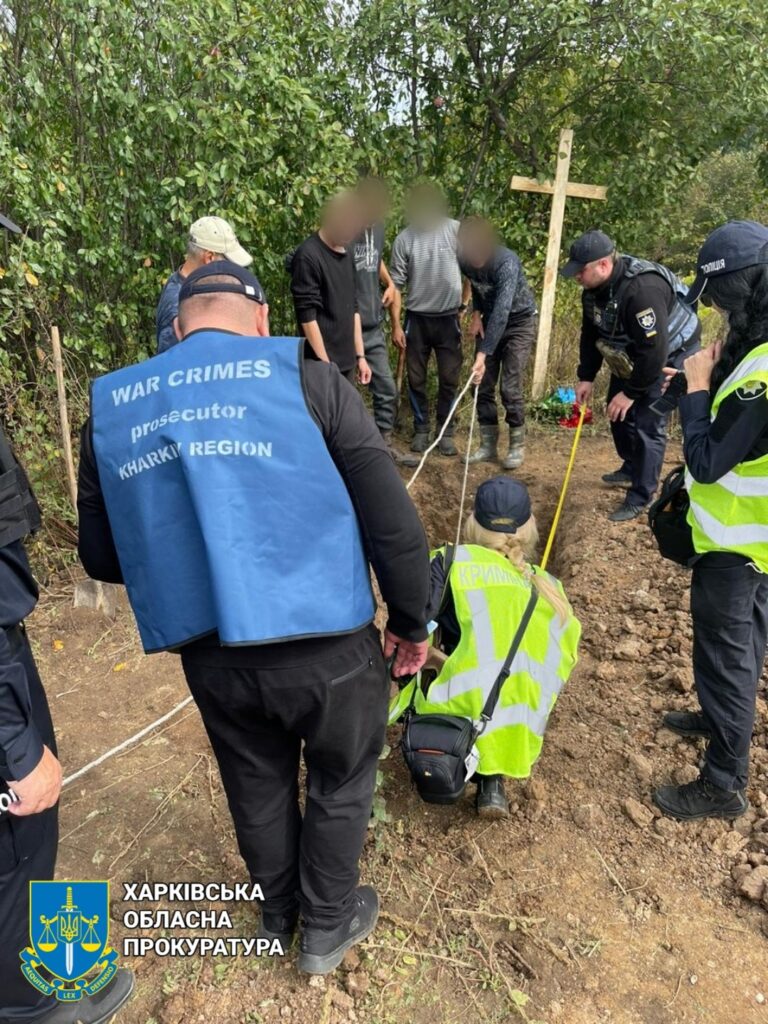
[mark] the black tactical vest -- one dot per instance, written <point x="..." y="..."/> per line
<point x="19" y="511"/>
<point x="609" y="321"/>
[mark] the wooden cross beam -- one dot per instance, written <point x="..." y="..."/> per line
<point x="559" y="190"/>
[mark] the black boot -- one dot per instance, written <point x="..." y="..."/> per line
<point x="322" y="950"/>
<point x="420" y="441"/>
<point x="96" y="1009"/>
<point x="278" y="926"/>
<point x="700" y="799"/>
<point x="446" y="445"/>
<point x="516" y="452"/>
<point x="491" y="800"/>
<point x="617" y="479"/>
<point x="687" y="723"/>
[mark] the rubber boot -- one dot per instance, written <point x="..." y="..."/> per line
<point x="420" y="441"/>
<point x="489" y="445"/>
<point x="516" y="453"/>
<point x="447" y="445"/>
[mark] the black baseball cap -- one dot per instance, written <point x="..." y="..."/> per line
<point x="732" y="246"/>
<point x="246" y="283"/>
<point x="592" y="245"/>
<point x="502" y="504"/>
<point x="8" y="224"/>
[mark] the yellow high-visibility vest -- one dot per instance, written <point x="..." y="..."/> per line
<point x="732" y="513"/>
<point x="490" y="596"/>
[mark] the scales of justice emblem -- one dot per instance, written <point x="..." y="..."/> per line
<point x="68" y="934"/>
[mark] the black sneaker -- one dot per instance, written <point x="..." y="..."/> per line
<point x="420" y="441"/>
<point x="687" y="723"/>
<point x="491" y="800"/>
<point x="322" y="950"/>
<point x="626" y="512"/>
<point x="280" y="927"/>
<point x="617" y="479"/>
<point x="700" y="799"/>
<point x="96" y="1009"/>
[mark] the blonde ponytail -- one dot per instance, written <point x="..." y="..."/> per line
<point x="520" y="549"/>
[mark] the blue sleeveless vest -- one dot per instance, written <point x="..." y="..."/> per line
<point x="227" y="510"/>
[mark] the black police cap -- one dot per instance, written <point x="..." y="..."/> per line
<point x="592" y="245"/>
<point x="502" y="504"/>
<point x="732" y="246"/>
<point x="199" y="283"/>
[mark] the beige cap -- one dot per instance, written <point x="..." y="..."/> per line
<point x="216" y="235"/>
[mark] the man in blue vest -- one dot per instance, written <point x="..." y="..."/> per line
<point x="236" y="488"/>
<point x="635" y="319"/>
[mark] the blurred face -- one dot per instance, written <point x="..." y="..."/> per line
<point x="593" y="274"/>
<point x="477" y="243"/>
<point x="426" y="206"/>
<point x="343" y="219"/>
<point x="374" y="200"/>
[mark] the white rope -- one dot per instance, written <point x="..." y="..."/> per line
<point x="439" y="437"/>
<point x="466" y="466"/>
<point x="126" y="743"/>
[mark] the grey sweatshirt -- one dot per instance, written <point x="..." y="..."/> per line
<point x="424" y="263"/>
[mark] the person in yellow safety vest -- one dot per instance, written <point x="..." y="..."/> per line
<point x="724" y="417"/>
<point x="477" y="611"/>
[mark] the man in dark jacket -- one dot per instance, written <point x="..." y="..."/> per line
<point x="635" y="317"/>
<point x="504" y="324"/>
<point x="275" y="491"/>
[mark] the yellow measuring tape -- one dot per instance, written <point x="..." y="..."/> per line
<point x="566" y="481"/>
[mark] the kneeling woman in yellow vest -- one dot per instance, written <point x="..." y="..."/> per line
<point x="477" y="610"/>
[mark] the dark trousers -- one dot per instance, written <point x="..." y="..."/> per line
<point x="508" y="362"/>
<point x="27" y="851"/>
<point x="383" y="387"/>
<point x="258" y="704"/>
<point x="426" y="334"/>
<point x="729" y="608"/>
<point x="641" y="438"/>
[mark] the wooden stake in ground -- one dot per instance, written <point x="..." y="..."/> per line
<point x="559" y="191"/>
<point x="64" y="416"/>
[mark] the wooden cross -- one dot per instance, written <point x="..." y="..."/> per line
<point x="559" y="191"/>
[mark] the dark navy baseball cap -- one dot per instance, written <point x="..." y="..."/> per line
<point x="246" y="283"/>
<point x="732" y="246"/>
<point x="8" y="224"/>
<point x="592" y="245"/>
<point x="502" y="504"/>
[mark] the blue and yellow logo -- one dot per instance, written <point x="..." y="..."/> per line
<point x="68" y="935"/>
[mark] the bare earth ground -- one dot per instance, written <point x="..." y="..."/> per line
<point x="583" y="907"/>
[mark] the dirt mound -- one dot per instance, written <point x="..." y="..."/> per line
<point x="584" y="907"/>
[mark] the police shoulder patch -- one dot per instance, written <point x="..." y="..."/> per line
<point x="647" y="320"/>
<point x="751" y="390"/>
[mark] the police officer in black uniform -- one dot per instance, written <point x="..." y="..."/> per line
<point x="30" y="774"/>
<point x="636" y="320"/>
<point x="253" y="560"/>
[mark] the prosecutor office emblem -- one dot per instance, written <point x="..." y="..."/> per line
<point x="647" y="320"/>
<point x="68" y="939"/>
<point x="751" y="390"/>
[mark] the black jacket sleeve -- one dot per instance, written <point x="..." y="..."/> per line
<point x="647" y="302"/>
<point x="496" y="318"/>
<point x="590" y="359"/>
<point x="739" y="432"/>
<point x="306" y="286"/>
<point x="392" y="532"/>
<point x="20" y="744"/>
<point x="95" y="544"/>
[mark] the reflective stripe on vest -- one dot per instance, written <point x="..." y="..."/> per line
<point x="732" y="513"/>
<point x="227" y="510"/>
<point x="682" y="322"/>
<point x="490" y="596"/>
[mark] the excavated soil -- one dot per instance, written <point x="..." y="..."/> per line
<point x="584" y="906"/>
